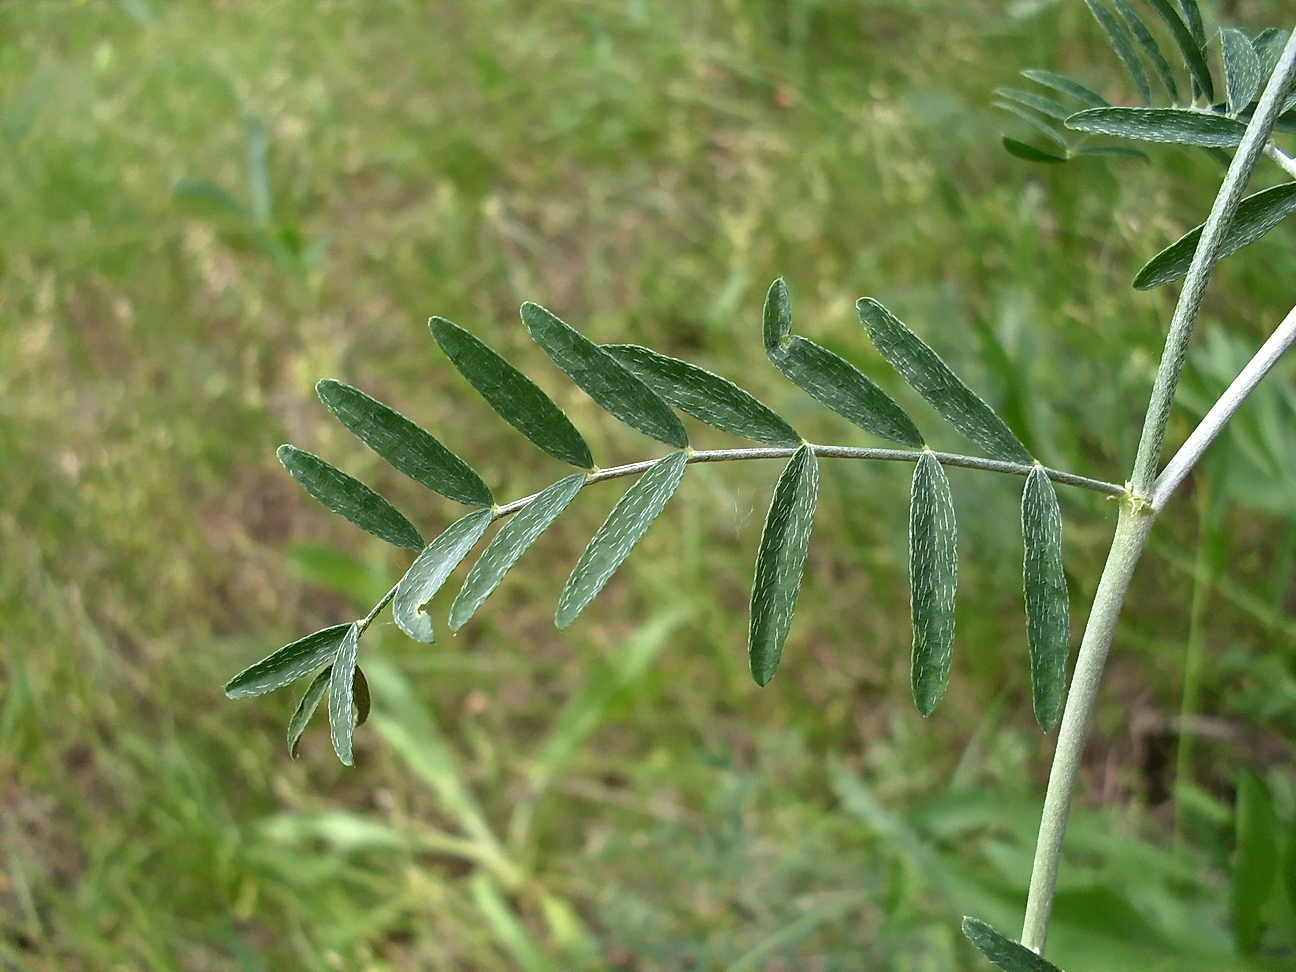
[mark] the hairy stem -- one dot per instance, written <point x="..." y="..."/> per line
<point x="1282" y="158"/>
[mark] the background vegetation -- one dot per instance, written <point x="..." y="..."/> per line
<point x="208" y="206"/>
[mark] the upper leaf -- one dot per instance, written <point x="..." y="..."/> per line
<point x="306" y="709"/>
<point x="1003" y="951"/>
<point x="409" y="448"/>
<point x="349" y="498"/>
<point x="933" y="579"/>
<point x="1150" y="47"/>
<point x="1048" y="627"/>
<point x="1181" y="126"/>
<point x="289" y="663"/>
<point x="1241" y="68"/>
<point x="1120" y="42"/>
<point x="706" y="396"/>
<point x="507" y="546"/>
<point x="780" y="562"/>
<point x="625" y="525"/>
<point x="603" y="378"/>
<point x="517" y="399"/>
<point x="932" y="378"/>
<point x="830" y="379"/>
<point x="1191" y="41"/>
<point x="1256" y="215"/>
<point x="430" y="570"/>
<point x="342" y="696"/>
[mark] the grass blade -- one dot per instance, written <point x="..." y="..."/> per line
<point x="1048" y="625"/>
<point x="933" y="577"/>
<point x="306" y="709"/>
<point x="508" y="929"/>
<point x="405" y="445"/>
<point x="1029" y="152"/>
<point x="1192" y="46"/>
<point x="932" y="378"/>
<point x="507" y="546"/>
<point x="430" y="570"/>
<point x="289" y="663"/>
<point x="1086" y="96"/>
<point x="1255" y="863"/>
<point x="1241" y="68"/>
<point x="1150" y="47"/>
<point x="706" y="396"/>
<point x="625" y="525"/>
<point x="603" y="378"/>
<point x="1181" y="126"/>
<point x="342" y="696"/>
<point x="780" y="562"/>
<point x="1124" y="49"/>
<point x="1256" y="215"/>
<point x="830" y="379"/>
<point x="514" y="396"/>
<point x="1003" y="951"/>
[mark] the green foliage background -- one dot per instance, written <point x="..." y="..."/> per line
<point x="643" y="169"/>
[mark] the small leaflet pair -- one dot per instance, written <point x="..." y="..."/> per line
<point x="639" y="387"/>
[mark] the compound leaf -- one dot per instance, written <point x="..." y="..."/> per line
<point x="932" y="378"/>
<point x="1150" y="47"/>
<point x="286" y="665"/>
<point x="430" y="570"/>
<point x="829" y="379"/>
<point x="1256" y="215"/>
<point x="603" y="378"/>
<point x="933" y="573"/>
<point x="1241" y="68"/>
<point x="1030" y="153"/>
<point x="1120" y="42"/>
<point x="1086" y="96"/>
<point x="342" y="696"/>
<point x="507" y="546"/>
<point x="306" y="709"/>
<point x="1048" y="627"/>
<point x="625" y="525"/>
<point x="706" y="396"/>
<point x="349" y="498"/>
<point x="409" y="448"/>
<point x="1181" y="126"/>
<point x="780" y="562"/>
<point x="1192" y="43"/>
<point x="517" y="399"/>
<point x="1255" y="864"/>
<point x="1003" y="951"/>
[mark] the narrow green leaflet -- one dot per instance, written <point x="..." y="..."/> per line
<point x="349" y="498"/>
<point x="507" y="546"/>
<point x="288" y="664"/>
<point x="933" y="573"/>
<point x="517" y="399"/>
<point x="1048" y="625"/>
<point x="1031" y="100"/>
<point x="409" y="448"/>
<point x="1041" y="126"/>
<point x="706" y="396"/>
<point x="306" y="709"/>
<point x="1086" y="96"/>
<point x="341" y="693"/>
<point x="363" y="702"/>
<point x="780" y="562"/>
<point x="1003" y="951"/>
<point x="430" y="570"/>
<point x="1150" y="47"/>
<point x="829" y="379"/>
<point x="625" y="525"/>
<point x="1256" y="215"/>
<point x="1030" y="153"/>
<point x="1181" y="126"/>
<point x="1192" y="47"/>
<point x="1193" y="17"/>
<point x="1255" y="864"/>
<point x="932" y="378"/>
<point x="1241" y="68"/>
<point x="1113" y="151"/>
<point x="1120" y="43"/>
<point x="603" y="378"/>
<point x="1268" y="45"/>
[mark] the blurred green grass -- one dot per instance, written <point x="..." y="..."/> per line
<point x="643" y="169"/>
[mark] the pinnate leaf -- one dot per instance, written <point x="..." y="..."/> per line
<point x="1241" y="68"/>
<point x="288" y="664"/>
<point x="1048" y="628"/>
<point x="1180" y="126"/>
<point x="1120" y="43"/>
<point x="932" y="378"/>
<point x="349" y="498"/>
<point x="517" y="399"/>
<point x="603" y="378"/>
<point x="507" y="546"/>
<point x="780" y="562"/>
<point x="625" y="525"/>
<point x="1256" y="215"/>
<point x="1003" y="951"/>
<point x="306" y="709"/>
<point x="342" y="696"/>
<point x="933" y="578"/>
<point x="430" y="570"/>
<point x="409" y="448"/>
